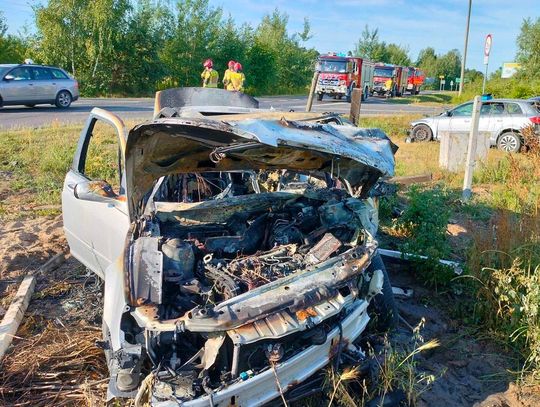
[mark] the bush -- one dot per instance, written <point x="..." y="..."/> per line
<point x="424" y="223"/>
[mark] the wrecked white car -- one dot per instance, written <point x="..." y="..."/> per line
<point x="238" y="254"/>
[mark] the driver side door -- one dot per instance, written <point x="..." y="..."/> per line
<point x="96" y="228"/>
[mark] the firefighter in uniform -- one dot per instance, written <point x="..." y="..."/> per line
<point x="227" y="75"/>
<point x="209" y="76"/>
<point x="237" y="78"/>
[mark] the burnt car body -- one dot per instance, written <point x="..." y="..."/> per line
<point x="238" y="252"/>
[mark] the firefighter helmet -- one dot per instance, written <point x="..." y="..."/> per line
<point x="238" y="66"/>
<point x="208" y="63"/>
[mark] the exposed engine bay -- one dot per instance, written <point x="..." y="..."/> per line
<point x="237" y="249"/>
<point x="192" y="259"/>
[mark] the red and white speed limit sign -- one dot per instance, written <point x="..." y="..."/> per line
<point x="487" y="45"/>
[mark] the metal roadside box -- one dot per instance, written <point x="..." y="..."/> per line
<point x="453" y="149"/>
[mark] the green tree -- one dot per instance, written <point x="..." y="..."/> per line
<point x="83" y="37"/>
<point x="528" y="43"/>
<point x="138" y="67"/>
<point x="449" y="65"/>
<point x="12" y="48"/>
<point x="195" y="38"/>
<point x="473" y="75"/>
<point x="398" y="55"/>
<point x="294" y="63"/>
<point x="261" y="72"/>
<point x="370" y="47"/>
<point x="427" y="61"/>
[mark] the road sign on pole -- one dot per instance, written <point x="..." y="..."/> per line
<point x="487" y="50"/>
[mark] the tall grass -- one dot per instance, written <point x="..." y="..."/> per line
<point x="34" y="162"/>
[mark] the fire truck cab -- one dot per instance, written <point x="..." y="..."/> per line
<point x="339" y="75"/>
<point x="390" y="80"/>
<point x="415" y="81"/>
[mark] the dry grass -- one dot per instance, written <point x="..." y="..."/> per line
<point x="61" y="366"/>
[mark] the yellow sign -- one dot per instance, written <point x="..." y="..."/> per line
<point x="509" y="69"/>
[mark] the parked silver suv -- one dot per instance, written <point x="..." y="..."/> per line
<point x="504" y="119"/>
<point x="30" y="85"/>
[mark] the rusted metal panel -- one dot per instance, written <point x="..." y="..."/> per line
<point x="323" y="249"/>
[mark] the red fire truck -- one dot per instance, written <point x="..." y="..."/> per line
<point x="390" y="80"/>
<point x="340" y="74"/>
<point x="415" y="81"/>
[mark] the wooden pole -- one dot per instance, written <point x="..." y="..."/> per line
<point x="15" y="313"/>
<point x="471" y="150"/>
<point x="464" y="61"/>
<point x="356" y="101"/>
<point x="312" y="91"/>
<point x="19" y="304"/>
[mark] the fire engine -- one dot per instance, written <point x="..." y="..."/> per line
<point x="340" y="74"/>
<point x="390" y="80"/>
<point x="415" y="81"/>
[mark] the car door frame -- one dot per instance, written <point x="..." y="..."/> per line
<point x="460" y="123"/>
<point x="95" y="230"/>
<point x="46" y="88"/>
<point x="15" y="92"/>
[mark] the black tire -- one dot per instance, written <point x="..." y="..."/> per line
<point x="383" y="307"/>
<point x="422" y="132"/>
<point x="509" y="142"/>
<point x="320" y="96"/>
<point x="30" y="105"/>
<point x="340" y="97"/>
<point x="63" y="99"/>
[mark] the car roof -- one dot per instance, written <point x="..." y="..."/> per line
<point x="527" y="101"/>
<point x="33" y="65"/>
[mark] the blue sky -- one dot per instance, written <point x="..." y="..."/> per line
<point x="337" y="25"/>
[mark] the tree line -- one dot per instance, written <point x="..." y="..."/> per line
<point x="134" y="48"/>
<point x="124" y="47"/>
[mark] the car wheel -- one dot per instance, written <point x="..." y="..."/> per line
<point x="320" y="96"/>
<point x="30" y="105"/>
<point x="63" y="99"/>
<point x="383" y="306"/>
<point x="422" y="132"/>
<point x="509" y="142"/>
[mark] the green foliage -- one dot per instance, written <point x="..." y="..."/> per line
<point x="433" y="65"/>
<point x="424" y="223"/>
<point x="124" y="47"/>
<point x="370" y="47"/>
<point x="12" y="48"/>
<point x="528" y="54"/>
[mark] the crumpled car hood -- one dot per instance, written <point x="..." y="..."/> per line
<point x="179" y="145"/>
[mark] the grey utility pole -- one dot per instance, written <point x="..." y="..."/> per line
<point x="465" y="50"/>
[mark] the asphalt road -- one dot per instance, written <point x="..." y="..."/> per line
<point x="142" y="108"/>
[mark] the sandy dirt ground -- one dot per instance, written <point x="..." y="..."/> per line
<point x="55" y="359"/>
